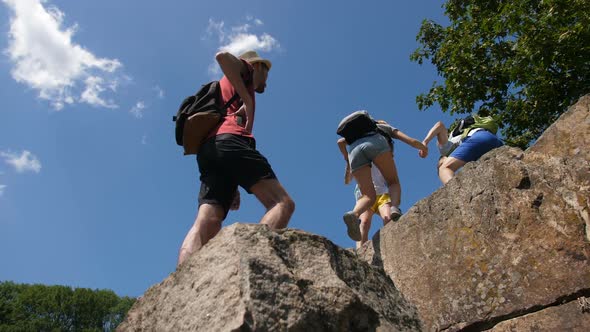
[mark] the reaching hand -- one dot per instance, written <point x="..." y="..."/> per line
<point x="423" y="153"/>
<point x="241" y="115"/>
<point x="246" y="112"/>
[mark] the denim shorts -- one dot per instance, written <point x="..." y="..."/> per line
<point x="362" y="151"/>
<point x="476" y="145"/>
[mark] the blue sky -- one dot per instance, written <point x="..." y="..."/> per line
<point x="95" y="193"/>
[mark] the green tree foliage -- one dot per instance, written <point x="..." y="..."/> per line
<point x="59" y="308"/>
<point x="523" y="60"/>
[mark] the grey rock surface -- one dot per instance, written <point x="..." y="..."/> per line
<point x="249" y="278"/>
<point x="506" y="237"/>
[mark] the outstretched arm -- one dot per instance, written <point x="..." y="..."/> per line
<point x="440" y="131"/>
<point x="347" y="173"/>
<point x="412" y="142"/>
<point x="342" y="147"/>
<point x="233" y="68"/>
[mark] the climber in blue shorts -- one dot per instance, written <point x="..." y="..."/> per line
<point x="458" y="150"/>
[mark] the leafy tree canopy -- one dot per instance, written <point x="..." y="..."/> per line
<point x="59" y="308"/>
<point x="525" y="61"/>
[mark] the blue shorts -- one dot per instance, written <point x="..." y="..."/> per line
<point x="476" y="145"/>
<point x="362" y="151"/>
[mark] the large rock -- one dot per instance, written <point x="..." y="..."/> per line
<point x="505" y="238"/>
<point x="568" y="137"/>
<point x="249" y="278"/>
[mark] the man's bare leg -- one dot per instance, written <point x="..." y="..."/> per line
<point x="448" y="168"/>
<point x="279" y="205"/>
<point x="207" y="225"/>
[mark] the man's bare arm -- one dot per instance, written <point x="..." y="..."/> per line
<point x="347" y="173"/>
<point x="440" y="131"/>
<point x="233" y="68"/>
<point x="342" y="147"/>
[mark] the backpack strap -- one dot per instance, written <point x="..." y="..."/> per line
<point x="235" y="97"/>
<point x="231" y="100"/>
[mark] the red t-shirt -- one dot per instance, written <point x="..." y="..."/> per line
<point x="230" y="125"/>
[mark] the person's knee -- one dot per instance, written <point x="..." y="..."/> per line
<point x="452" y="164"/>
<point x="445" y="163"/>
<point x="207" y="227"/>
<point x="288" y="205"/>
<point x="444" y="168"/>
<point x="279" y="199"/>
<point x="445" y="171"/>
<point x="214" y="220"/>
<point x="365" y="223"/>
<point x="210" y="216"/>
<point x="439" y="124"/>
<point x="440" y="162"/>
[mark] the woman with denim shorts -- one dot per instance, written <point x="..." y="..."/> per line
<point x="374" y="149"/>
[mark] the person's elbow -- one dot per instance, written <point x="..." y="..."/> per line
<point x="439" y="125"/>
<point x="222" y="56"/>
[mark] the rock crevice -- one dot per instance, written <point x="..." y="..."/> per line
<point x="489" y="324"/>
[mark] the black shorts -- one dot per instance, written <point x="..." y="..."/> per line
<point x="227" y="161"/>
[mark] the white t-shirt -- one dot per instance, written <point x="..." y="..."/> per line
<point x="449" y="146"/>
<point x="379" y="181"/>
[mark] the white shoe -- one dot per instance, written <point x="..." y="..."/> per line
<point x="352" y="223"/>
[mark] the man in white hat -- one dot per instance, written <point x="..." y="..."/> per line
<point x="228" y="158"/>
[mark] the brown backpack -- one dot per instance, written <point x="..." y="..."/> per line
<point x="198" y="115"/>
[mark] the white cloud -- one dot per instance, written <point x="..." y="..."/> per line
<point x="46" y="59"/>
<point x="242" y="42"/>
<point x="238" y="39"/>
<point x="159" y="91"/>
<point x="23" y="163"/>
<point x="254" y="19"/>
<point x="241" y="28"/>
<point x="2" y="187"/>
<point x="144" y="140"/>
<point x="216" y="28"/>
<point x="138" y="109"/>
<point x="94" y="86"/>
